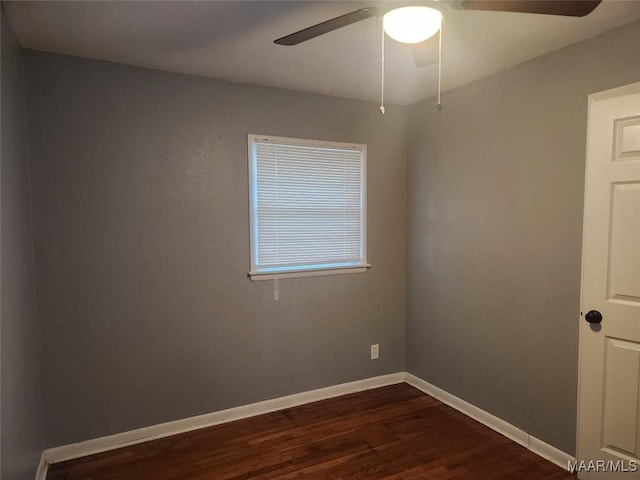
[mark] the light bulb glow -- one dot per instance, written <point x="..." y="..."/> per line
<point x="412" y="24"/>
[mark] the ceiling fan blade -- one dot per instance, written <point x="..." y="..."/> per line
<point x="327" y="26"/>
<point x="426" y="53"/>
<point x="569" y="8"/>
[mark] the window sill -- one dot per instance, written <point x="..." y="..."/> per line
<point x="258" y="277"/>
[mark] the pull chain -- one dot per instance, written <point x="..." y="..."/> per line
<point x="439" y="104"/>
<point x="382" y="110"/>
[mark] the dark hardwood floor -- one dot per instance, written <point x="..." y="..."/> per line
<point x="390" y="433"/>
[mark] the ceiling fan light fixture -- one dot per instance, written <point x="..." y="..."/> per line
<point x="412" y="24"/>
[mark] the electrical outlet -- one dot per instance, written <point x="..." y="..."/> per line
<point x="375" y="352"/>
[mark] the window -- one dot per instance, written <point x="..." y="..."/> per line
<point x="307" y="207"/>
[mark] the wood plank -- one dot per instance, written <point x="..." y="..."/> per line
<point x="389" y="433"/>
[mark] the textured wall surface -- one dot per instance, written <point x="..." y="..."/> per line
<point x="141" y="233"/>
<point x="495" y="197"/>
<point x="141" y="227"/>
<point x="21" y="399"/>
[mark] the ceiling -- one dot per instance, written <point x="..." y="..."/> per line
<point x="233" y="40"/>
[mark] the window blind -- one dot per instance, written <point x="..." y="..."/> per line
<point x="307" y="206"/>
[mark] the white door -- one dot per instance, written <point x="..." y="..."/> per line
<point x="609" y="379"/>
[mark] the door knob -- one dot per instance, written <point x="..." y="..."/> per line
<point x="593" y="316"/>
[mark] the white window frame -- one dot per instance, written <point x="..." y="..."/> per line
<point x="256" y="274"/>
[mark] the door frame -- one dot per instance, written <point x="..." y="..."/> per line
<point x="630" y="89"/>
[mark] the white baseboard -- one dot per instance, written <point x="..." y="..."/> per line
<point x="43" y="466"/>
<point x="551" y="453"/>
<point x="510" y="431"/>
<point x="111" y="442"/>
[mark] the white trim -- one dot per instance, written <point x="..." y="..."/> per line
<point x="260" y="276"/>
<point x="298" y="271"/>
<point x="549" y="452"/>
<point x="305" y="142"/>
<point x="43" y="466"/>
<point x="111" y="442"/>
<point x="103" y="444"/>
<point x="510" y="431"/>
<point x="615" y="92"/>
<point x="491" y="421"/>
<point x="592" y="99"/>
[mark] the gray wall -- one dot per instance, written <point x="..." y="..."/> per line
<point x="495" y="196"/>
<point x="140" y="202"/>
<point x="21" y="399"/>
<point x="141" y="236"/>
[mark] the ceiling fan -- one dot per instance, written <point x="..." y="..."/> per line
<point x="570" y="8"/>
<point x="413" y="23"/>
